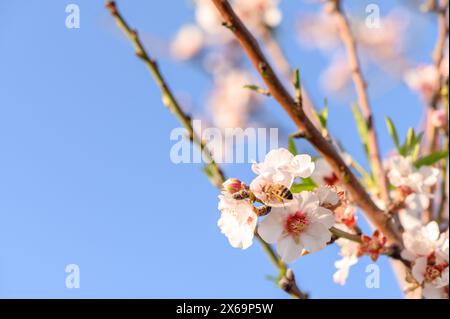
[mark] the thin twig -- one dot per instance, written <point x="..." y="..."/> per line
<point x="363" y="98"/>
<point x="171" y="102"/>
<point x="343" y="234"/>
<point x="432" y="132"/>
<point x="304" y="124"/>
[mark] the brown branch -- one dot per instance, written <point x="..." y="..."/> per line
<point x="304" y="124"/>
<point x="171" y="102"/>
<point x="363" y="97"/>
<point x="432" y="132"/>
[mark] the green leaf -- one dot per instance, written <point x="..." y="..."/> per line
<point x="431" y="159"/>
<point x="297" y="84"/>
<point x="362" y="127"/>
<point x="307" y="184"/>
<point x="291" y="146"/>
<point x="257" y="89"/>
<point x="412" y="144"/>
<point x="323" y="116"/>
<point x="393" y="132"/>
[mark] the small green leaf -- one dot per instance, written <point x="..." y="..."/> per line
<point x="362" y="127"/>
<point x="291" y="146"/>
<point x="307" y="184"/>
<point x="323" y="116"/>
<point x="412" y="144"/>
<point x="431" y="159"/>
<point x="393" y="132"/>
<point x="410" y="138"/>
<point x="257" y="89"/>
<point x="297" y="79"/>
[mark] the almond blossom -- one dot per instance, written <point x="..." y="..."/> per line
<point x="237" y="221"/>
<point x="301" y="224"/>
<point x="229" y="103"/>
<point x="402" y="173"/>
<point x="423" y="79"/>
<point x="427" y="249"/>
<point x="439" y="118"/>
<point x="412" y="187"/>
<point x="328" y="197"/>
<point x="323" y="174"/>
<point x="188" y="42"/>
<point x="281" y="167"/>
<point x="349" y="253"/>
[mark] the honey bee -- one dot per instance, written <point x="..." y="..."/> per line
<point x="242" y="194"/>
<point x="277" y="192"/>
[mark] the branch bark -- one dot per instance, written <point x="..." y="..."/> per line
<point x="432" y="132"/>
<point x="304" y="124"/>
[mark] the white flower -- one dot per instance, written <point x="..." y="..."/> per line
<point x="281" y="167"/>
<point x="300" y="225"/>
<point x="188" y="42"/>
<point x="432" y="273"/>
<point x="327" y="196"/>
<point x="424" y="79"/>
<point x="231" y="105"/>
<point x="415" y="204"/>
<point x="428" y="252"/>
<point x="431" y="292"/>
<point x="420" y="241"/>
<point x="207" y="16"/>
<point x="237" y="221"/>
<point x="323" y="174"/>
<point x="349" y="253"/>
<point x="413" y="186"/>
<point x="343" y="269"/>
<point x="402" y="173"/>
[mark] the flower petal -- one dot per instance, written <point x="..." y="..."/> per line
<point x="271" y="227"/>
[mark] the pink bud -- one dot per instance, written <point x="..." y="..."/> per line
<point x="232" y="185"/>
<point x="439" y="118"/>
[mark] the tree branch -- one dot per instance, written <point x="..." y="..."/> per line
<point x="171" y="102"/>
<point x="304" y="124"/>
<point x="432" y="132"/>
<point x="363" y="98"/>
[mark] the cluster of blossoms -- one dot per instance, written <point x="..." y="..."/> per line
<point x="412" y="194"/>
<point x="298" y="223"/>
<point x="427" y="249"/>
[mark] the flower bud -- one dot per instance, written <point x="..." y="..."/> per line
<point x="232" y="185"/>
<point x="372" y="246"/>
<point x="439" y="119"/>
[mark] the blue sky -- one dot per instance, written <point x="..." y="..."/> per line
<point x="85" y="173"/>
